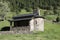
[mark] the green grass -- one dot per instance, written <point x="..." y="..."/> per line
<point x="24" y="12"/>
<point x="4" y="23"/>
<point x="50" y="17"/>
<point x="52" y="32"/>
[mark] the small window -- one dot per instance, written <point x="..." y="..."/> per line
<point x="35" y="21"/>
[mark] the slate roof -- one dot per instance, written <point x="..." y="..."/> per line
<point x="25" y="17"/>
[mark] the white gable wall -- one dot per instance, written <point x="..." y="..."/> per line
<point x="37" y="24"/>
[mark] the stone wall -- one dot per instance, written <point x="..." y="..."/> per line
<point x="37" y="24"/>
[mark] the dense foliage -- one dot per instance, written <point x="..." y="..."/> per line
<point x="4" y="9"/>
<point x="17" y="5"/>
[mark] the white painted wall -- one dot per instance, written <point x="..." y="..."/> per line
<point x="39" y="26"/>
<point x="31" y="25"/>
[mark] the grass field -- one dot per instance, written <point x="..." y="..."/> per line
<point x="52" y="32"/>
<point x="4" y="24"/>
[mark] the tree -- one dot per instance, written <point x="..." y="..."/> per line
<point x="17" y="5"/>
<point x="4" y="9"/>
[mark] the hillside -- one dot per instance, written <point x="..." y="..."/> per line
<point x="52" y="32"/>
<point x="49" y="9"/>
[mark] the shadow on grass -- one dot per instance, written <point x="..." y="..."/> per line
<point x="6" y="28"/>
